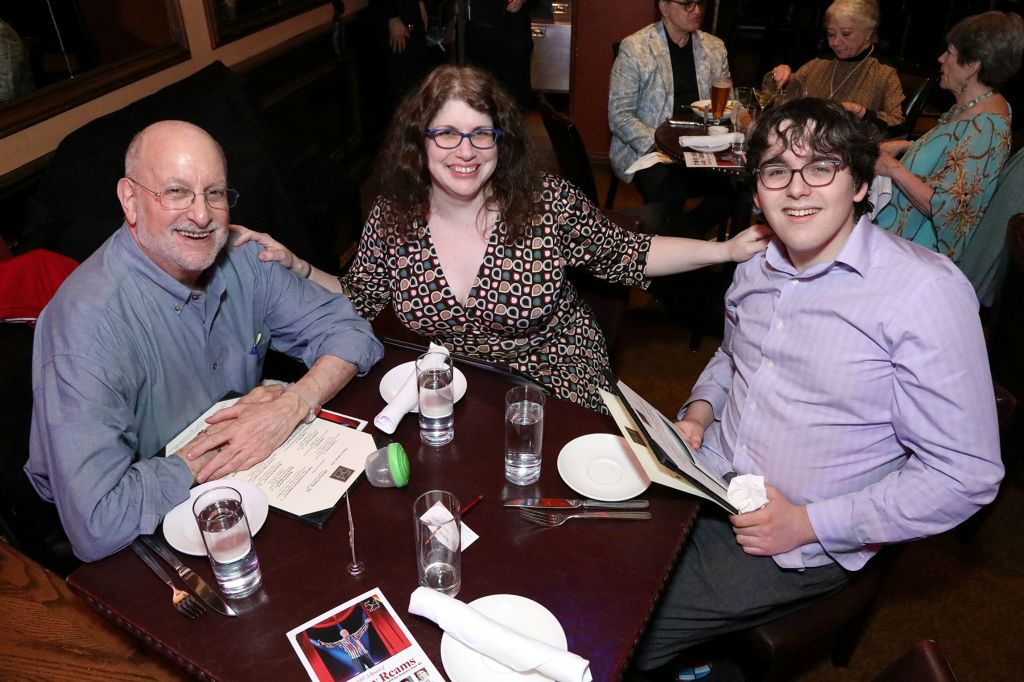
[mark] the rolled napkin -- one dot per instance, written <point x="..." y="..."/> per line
<point x="506" y="646"/>
<point x="747" y="493"/>
<point x="403" y="402"/>
<point x="648" y="160"/>
<point x="703" y="142"/>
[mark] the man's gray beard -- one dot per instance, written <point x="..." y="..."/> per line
<point x="191" y="262"/>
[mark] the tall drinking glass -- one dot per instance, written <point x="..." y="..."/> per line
<point x="228" y="540"/>
<point x="435" y="376"/>
<point x="438" y="525"/>
<point x="720" y="91"/>
<point x="524" y="434"/>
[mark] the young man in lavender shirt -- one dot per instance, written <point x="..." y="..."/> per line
<point x="852" y="375"/>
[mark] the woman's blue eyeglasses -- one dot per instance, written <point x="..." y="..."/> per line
<point x="449" y="138"/>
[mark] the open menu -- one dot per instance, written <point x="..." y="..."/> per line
<point x="362" y="640"/>
<point x="666" y="458"/>
<point x="309" y="473"/>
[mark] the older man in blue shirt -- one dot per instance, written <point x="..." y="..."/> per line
<point x="154" y="327"/>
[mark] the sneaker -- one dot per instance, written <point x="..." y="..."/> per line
<point x="694" y="673"/>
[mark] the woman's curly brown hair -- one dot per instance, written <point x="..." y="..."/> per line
<point x="403" y="178"/>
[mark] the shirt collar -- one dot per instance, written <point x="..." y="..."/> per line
<point x="137" y="261"/>
<point x="855" y="254"/>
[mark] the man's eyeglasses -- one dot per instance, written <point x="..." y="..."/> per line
<point x="180" y="198"/>
<point x="449" y="138"/>
<point x="689" y="5"/>
<point x="814" y="174"/>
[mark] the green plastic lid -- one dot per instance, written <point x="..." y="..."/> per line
<point x="398" y="462"/>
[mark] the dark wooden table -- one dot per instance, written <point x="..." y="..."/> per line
<point x="666" y="139"/>
<point x="600" y="579"/>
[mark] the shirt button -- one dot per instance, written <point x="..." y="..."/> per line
<point x="216" y="366"/>
<point x="779" y="325"/>
<point x="794" y="280"/>
<point x="177" y="308"/>
<point x="195" y="297"/>
<point x="771" y="365"/>
<point x="743" y="448"/>
<point x="753" y="406"/>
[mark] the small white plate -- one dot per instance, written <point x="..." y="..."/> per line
<point x="602" y="467"/>
<point x="698" y="107"/>
<point x="709" y="148"/>
<point x="180" y="527"/>
<point x="393" y="381"/>
<point x="523" y="615"/>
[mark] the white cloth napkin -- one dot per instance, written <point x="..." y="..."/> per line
<point x="747" y="492"/>
<point x="703" y="142"/>
<point x="403" y="402"/>
<point x="880" y="194"/>
<point x="648" y="160"/>
<point x="492" y="639"/>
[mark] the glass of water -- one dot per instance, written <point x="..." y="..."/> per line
<point x="435" y="376"/>
<point x="524" y="434"/>
<point x="438" y="522"/>
<point x="225" y="530"/>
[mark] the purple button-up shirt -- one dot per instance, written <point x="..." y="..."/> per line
<point x="859" y="388"/>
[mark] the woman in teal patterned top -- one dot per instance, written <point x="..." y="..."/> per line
<point x="469" y="244"/>
<point x="947" y="177"/>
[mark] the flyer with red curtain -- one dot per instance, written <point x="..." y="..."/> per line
<point x="362" y="640"/>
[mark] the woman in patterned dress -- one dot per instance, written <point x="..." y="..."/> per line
<point x="470" y="244"/>
<point x="945" y="179"/>
<point x="854" y="77"/>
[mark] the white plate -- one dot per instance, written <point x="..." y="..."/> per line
<point x="523" y="615"/>
<point x="698" y="107"/>
<point x="709" y="148"/>
<point x="180" y="527"/>
<point x="392" y="382"/>
<point x="602" y="467"/>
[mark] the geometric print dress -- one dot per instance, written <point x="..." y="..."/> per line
<point x="522" y="310"/>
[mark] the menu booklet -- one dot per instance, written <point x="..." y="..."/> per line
<point x="724" y="160"/>
<point x="363" y="640"/>
<point x="666" y="458"/>
<point x="307" y="475"/>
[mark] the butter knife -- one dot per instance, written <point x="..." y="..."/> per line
<point x="198" y="585"/>
<point x="559" y="503"/>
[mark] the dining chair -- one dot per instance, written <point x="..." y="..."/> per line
<point x="608" y="300"/>
<point x="570" y="152"/>
<point x="1006" y="412"/>
<point x="918" y="83"/>
<point x="835" y="623"/>
<point x="925" y="662"/>
<point x="984" y="260"/>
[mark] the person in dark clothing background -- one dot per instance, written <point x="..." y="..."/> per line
<point x="403" y="31"/>
<point x="498" y="39"/>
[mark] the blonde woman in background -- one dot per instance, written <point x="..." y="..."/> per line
<point x="853" y="77"/>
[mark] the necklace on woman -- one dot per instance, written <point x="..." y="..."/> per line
<point x="958" y="109"/>
<point x="832" y="90"/>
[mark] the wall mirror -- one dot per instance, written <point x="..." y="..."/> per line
<point x="232" y="19"/>
<point x="57" y="54"/>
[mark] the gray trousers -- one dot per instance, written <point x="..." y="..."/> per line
<point x="717" y="588"/>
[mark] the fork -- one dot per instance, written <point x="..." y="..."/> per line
<point x="552" y="519"/>
<point x="184" y="603"/>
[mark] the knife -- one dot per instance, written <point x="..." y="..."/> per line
<point x="558" y="503"/>
<point x="198" y="585"/>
